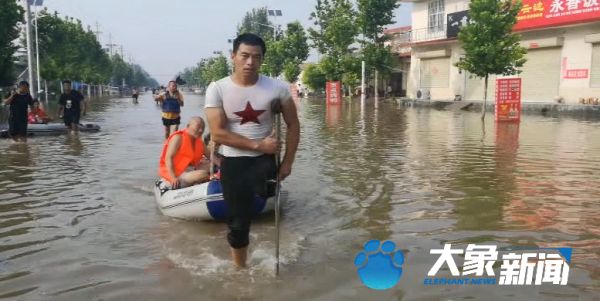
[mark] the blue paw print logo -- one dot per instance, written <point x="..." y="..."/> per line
<point x="379" y="264"/>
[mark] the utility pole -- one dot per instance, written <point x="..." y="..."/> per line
<point x="376" y="85"/>
<point x="31" y="66"/>
<point x="121" y="46"/>
<point x="37" y="53"/>
<point x="97" y="32"/>
<point x="362" y="83"/>
<point x="110" y="44"/>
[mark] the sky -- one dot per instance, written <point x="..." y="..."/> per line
<point x="164" y="36"/>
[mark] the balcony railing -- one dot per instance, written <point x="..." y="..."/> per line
<point x="418" y="35"/>
<point x="427" y="34"/>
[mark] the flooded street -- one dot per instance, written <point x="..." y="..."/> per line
<point x="78" y="219"/>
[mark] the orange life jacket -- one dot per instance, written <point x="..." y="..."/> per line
<point x="186" y="155"/>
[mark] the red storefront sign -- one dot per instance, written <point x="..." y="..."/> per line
<point x="546" y="13"/>
<point x="576" y="73"/>
<point x="508" y="99"/>
<point x="334" y="93"/>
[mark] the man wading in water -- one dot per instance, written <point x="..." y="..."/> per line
<point x="238" y="110"/>
<point x="18" y="102"/>
<point x="171" y="102"/>
<point x="71" y="106"/>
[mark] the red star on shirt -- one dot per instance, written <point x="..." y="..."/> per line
<point x="249" y="114"/>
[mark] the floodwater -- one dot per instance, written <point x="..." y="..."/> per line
<point x="78" y="220"/>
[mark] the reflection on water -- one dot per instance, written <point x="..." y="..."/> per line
<point x="78" y="219"/>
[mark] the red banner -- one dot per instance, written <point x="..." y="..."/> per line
<point x="334" y="93"/>
<point x="546" y="13"/>
<point x="508" y="99"/>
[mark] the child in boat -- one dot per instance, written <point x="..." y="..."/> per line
<point x="37" y="114"/>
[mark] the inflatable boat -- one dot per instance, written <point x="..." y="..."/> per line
<point x="46" y="129"/>
<point x="200" y="202"/>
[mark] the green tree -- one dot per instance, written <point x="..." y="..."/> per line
<point x="290" y="48"/>
<point x="120" y="70"/>
<point x="489" y="44"/>
<point x="379" y="57"/>
<point x="10" y="15"/>
<point x="295" y="49"/>
<point x="335" y="31"/>
<point x="291" y="70"/>
<point x="215" y="68"/>
<point x="314" y="77"/>
<point x="373" y="17"/>
<point x="189" y="76"/>
<point x="351" y="76"/>
<point x="68" y="51"/>
<point x="274" y="58"/>
<point x="202" y="82"/>
<point x="257" y="21"/>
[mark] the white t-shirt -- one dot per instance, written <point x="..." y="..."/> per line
<point x="248" y="109"/>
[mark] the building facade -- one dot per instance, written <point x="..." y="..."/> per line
<point x="562" y="38"/>
<point x="399" y="40"/>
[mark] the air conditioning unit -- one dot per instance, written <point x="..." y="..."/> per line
<point x="424" y="94"/>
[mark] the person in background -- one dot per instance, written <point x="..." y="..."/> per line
<point x="134" y="94"/>
<point x="19" y="100"/>
<point x="71" y="106"/>
<point x="171" y="102"/>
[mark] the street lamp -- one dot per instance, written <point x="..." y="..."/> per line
<point x="274" y="28"/>
<point x="274" y="13"/>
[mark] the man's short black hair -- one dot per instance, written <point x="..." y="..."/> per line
<point x="249" y="39"/>
<point x="66" y="81"/>
<point x="23" y="83"/>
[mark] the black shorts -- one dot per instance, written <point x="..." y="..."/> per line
<point x="169" y="122"/>
<point x="71" y="118"/>
<point x="242" y="178"/>
<point x="17" y="126"/>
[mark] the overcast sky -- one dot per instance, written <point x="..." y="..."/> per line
<point x="165" y="36"/>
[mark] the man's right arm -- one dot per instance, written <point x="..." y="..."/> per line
<point x="217" y="123"/>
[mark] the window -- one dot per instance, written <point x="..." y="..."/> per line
<point x="595" y="72"/>
<point x="436" y="14"/>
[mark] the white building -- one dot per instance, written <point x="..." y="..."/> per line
<point x="562" y="38"/>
